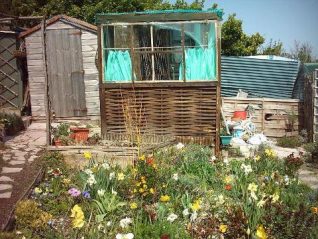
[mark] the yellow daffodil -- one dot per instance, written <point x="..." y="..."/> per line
<point x="252" y="187"/>
<point x="196" y="205"/>
<point x="257" y="158"/>
<point x="223" y="228"/>
<point x="269" y="153"/>
<point x="37" y="190"/>
<point x="261" y="233"/>
<point x="133" y="205"/>
<point x="142" y="157"/>
<point x="314" y="210"/>
<point x="151" y="190"/>
<point x="120" y="176"/>
<point x="228" y="179"/>
<point x="87" y="155"/>
<point x="275" y="197"/>
<point x="78" y="217"/>
<point x="165" y="198"/>
<point x="66" y="181"/>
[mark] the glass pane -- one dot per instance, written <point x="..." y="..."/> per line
<point x="117" y="37"/>
<point x="142" y="36"/>
<point x="200" y="51"/>
<point x="167" y="35"/>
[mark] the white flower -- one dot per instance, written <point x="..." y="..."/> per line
<point x="105" y="165"/>
<point x="194" y="216"/>
<point x="213" y="158"/>
<point x="100" y="192"/>
<point x="179" y="145"/>
<point x="100" y="227"/>
<point x="112" y="175"/>
<point x="261" y="203"/>
<point x="175" y="176"/>
<point x="172" y="217"/>
<point x="226" y="161"/>
<point x="114" y="192"/>
<point x="286" y="179"/>
<point x="185" y="212"/>
<point x="125" y="222"/>
<point x="125" y="236"/>
<point x="246" y="168"/>
<point x="88" y="171"/>
<point x="109" y="223"/>
<point x="91" y="180"/>
<point x="221" y="199"/>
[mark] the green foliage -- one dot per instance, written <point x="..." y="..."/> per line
<point x="29" y="215"/>
<point x="235" y="42"/>
<point x="290" y="141"/>
<point x="12" y="123"/>
<point x="62" y="129"/>
<point x="273" y="48"/>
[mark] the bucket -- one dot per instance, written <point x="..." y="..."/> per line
<point x="226" y="139"/>
<point x="240" y="115"/>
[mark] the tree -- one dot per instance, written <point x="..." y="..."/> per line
<point x="274" y="48"/>
<point x="235" y="42"/>
<point x="302" y="52"/>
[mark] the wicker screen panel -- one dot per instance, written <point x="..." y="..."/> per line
<point x="185" y="112"/>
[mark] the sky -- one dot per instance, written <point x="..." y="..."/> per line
<point x="284" y="20"/>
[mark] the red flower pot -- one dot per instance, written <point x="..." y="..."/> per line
<point x="80" y="134"/>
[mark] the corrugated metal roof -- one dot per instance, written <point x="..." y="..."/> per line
<point x="258" y="77"/>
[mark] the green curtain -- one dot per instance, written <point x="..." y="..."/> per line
<point x="201" y="61"/>
<point x="118" y="67"/>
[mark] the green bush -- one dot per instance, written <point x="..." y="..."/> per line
<point x="290" y="141"/>
<point x="12" y="123"/>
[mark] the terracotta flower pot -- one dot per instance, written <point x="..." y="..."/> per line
<point x="58" y="142"/>
<point x="80" y="134"/>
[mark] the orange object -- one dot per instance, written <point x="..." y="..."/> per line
<point x="240" y="114"/>
<point x="80" y="134"/>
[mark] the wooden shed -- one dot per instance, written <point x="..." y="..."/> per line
<point x="160" y="74"/>
<point x="69" y="47"/>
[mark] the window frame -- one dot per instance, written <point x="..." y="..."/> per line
<point x="133" y="50"/>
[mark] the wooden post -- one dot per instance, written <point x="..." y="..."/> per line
<point x="218" y="89"/>
<point x="102" y="98"/>
<point x="46" y="85"/>
<point x="263" y="116"/>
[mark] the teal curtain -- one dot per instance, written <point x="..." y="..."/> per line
<point x="118" y="67"/>
<point x="201" y="61"/>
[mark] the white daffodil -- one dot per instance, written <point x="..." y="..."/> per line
<point x="175" y="176"/>
<point x="91" y="180"/>
<point x="172" y="217"/>
<point x="246" y="168"/>
<point x="88" y="171"/>
<point x="112" y="175"/>
<point x="105" y="165"/>
<point x="180" y="146"/>
<point x="125" y="236"/>
<point x="109" y="223"/>
<point x="194" y="216"/>
<point x="114" y="192"/>
<point x="185" y="212"/>
<point x="124" y="223"/>
<point x="100" y="192"/>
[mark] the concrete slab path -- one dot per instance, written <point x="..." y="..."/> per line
<point x="20" y="150"/>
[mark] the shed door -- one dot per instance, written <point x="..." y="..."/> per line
<point x="65" y="72"/>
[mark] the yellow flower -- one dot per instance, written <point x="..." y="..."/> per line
<point x="138" y="184"/>
<point x="66" y="181"/>
<point x="135" y="190"/>
<point x="37" y="190"/>
<point x="269" y="153"/>
<point x="275" y="197"/>
<point x="143" y="179"/>
<point x="141" y="190"/>
<point x="165" y="198"/>
<point x="87" y="155"/>
<point x="223" y="228"/>
<point x="145" y="186"/>
<point x="228" y="179"/>
<point x="256" y="158"/>
<point x="196" y="205"/>
<point x="142" y="157"/>
<point x="120" y="176"/>
<point x="261" y="233"/>
<point x="314" y="210"/>
<point x="155" y="166"/>
<point x="252" y="187"/>
<point x="151" y="190"/>
<point x="78" y="215"/>
<point x="133" y="205"/>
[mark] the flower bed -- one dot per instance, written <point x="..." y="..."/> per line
<point x="177" y="192"/>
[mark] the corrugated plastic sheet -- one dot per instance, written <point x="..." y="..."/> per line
<point x="259" y="78"/>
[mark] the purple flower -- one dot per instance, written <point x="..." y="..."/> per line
<point x="74" y="192"/>
<point x="86" y="194"/>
